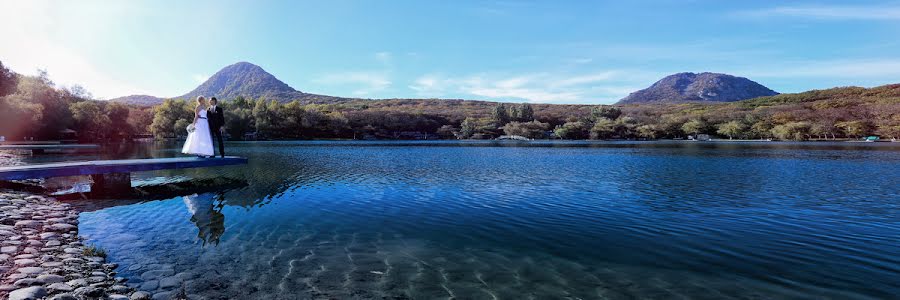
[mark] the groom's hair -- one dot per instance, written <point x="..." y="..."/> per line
<point x="214" y="99"/>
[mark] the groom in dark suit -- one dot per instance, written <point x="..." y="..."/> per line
<point x="216" y="119"/>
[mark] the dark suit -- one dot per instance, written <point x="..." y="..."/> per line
<point x="216" y="120"/>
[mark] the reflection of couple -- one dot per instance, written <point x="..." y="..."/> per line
<point x="209" y="121"/>
<point x="209" y="221"/>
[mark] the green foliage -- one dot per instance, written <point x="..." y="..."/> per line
<point x="500" y="115"/>
<point x="795" y="131"/>
<point x="648" y="131"/>
<point x="603" y="129"/>
<point x="731" y="129"/>
<point x="695" y="126"/>
<point x="605" y="111"/>
<point x="94" y="250"/>
<point x="39" y="109"/>
<point x="572" y="130"/>
<point x="855" y="128"/>
<point x="171" y="117"/>
<point x="468" y="128"/>
<point x="8" y="81"/>
<point x="533" y="129"/>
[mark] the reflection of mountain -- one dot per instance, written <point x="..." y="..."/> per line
<point x="209" y="220"/>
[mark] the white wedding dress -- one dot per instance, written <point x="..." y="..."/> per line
<point x="200" y="141"/>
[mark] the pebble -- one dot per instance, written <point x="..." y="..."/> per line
<point x="140" y="295"/>
<point x="65" y="296"/>
<point x="31" y="270"/>
<point x="29" y="293"/>
<point x="40" y="249"/>
<point x="169" y="282"/>
<point x="49" y="278"/>
<point x="60" y="287"/>
<point x="25" y="262"/>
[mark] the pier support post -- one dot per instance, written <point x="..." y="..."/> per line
<point x="111" y="184"/>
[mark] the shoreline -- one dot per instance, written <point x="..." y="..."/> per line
<point x="43" y="257"/>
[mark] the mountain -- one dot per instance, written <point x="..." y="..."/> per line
<point x="140" y="100"/>
<point x="240" y="79"/>
<point x="688" y="87"/>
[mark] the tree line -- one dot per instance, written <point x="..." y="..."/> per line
<point x="34" y="107"/>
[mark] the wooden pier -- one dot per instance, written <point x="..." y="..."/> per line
<point x="113" y="175"/>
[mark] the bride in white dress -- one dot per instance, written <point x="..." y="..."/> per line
<point x="199" y="141"/>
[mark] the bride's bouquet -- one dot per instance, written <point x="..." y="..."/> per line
<point x="191" y="128"/>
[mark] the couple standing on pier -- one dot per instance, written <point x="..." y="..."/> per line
<point x="209" y="121"/>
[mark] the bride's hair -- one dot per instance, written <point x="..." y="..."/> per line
<point x="200" y="100"/>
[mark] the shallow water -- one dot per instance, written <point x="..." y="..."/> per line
<point x="481" y="220"/>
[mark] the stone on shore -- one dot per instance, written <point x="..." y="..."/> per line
<point x="60" y="287"/>
<point x="29" y="293"/>
<point x="42" y="256"/>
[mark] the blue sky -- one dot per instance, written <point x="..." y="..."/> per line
<point x="536" y="51"/>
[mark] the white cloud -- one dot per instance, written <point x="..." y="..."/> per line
<point x="535" y="87"/>
<point x="362" y="83"/>
<point x="384" y="57"/>
<point x="581" y="61"/>
<point x="845" y="68"/>
<point x="849" y="12"/>
<point x="200" y="78"/>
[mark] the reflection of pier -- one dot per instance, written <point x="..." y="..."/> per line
<point x="112" y="176"/>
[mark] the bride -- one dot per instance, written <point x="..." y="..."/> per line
<point x="199" y="139"/>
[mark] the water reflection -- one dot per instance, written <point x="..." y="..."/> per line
<point x="540" y="220"/>
<point x="207" y="216"/>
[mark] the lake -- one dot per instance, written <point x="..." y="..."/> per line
<point x="539" y="220"/>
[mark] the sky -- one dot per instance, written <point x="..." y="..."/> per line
<point x="577" y="52"/>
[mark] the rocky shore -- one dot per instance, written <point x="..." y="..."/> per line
<point x="43" y="257"/>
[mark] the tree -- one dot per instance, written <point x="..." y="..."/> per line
<point x="731" y="129"/>
<point x="8" y="81"/>
<point x="91" y="119"/>
<point x="523" y="113"/>
<point x="648" y="131"/>
<point x="762" y="129"/>
<point x="117" y="113"/>
<point x="796" y="131"/>
<point x="603" y="129"/>
<point x="171" y="118"/>
<point x="694" y="127"/>
<point x="855" y="129"/>
<point x="500" y="116"/>
<point x="572" y="130"/>
<point x="139" y="119"/>
<point x="626" y="126"/>
<point x="532" y="130"/>
<point x="467" y="129"/>
<point x="605" y="111"/>
<point x="267" y="116"/>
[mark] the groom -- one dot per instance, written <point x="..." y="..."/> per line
<point x="216" y="119"/>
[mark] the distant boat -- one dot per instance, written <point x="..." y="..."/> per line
<point x="872" y="139"/>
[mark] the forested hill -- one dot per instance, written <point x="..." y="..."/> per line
<point x="687" y="87"/>
<point x="249" y="80"/>
<point x="239" y="79"/>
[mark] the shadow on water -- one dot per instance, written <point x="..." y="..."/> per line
<point x="86" y="201"/>
<point x="204" y="199"/>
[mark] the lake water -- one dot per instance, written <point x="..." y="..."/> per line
<point x="483" y="220"/>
